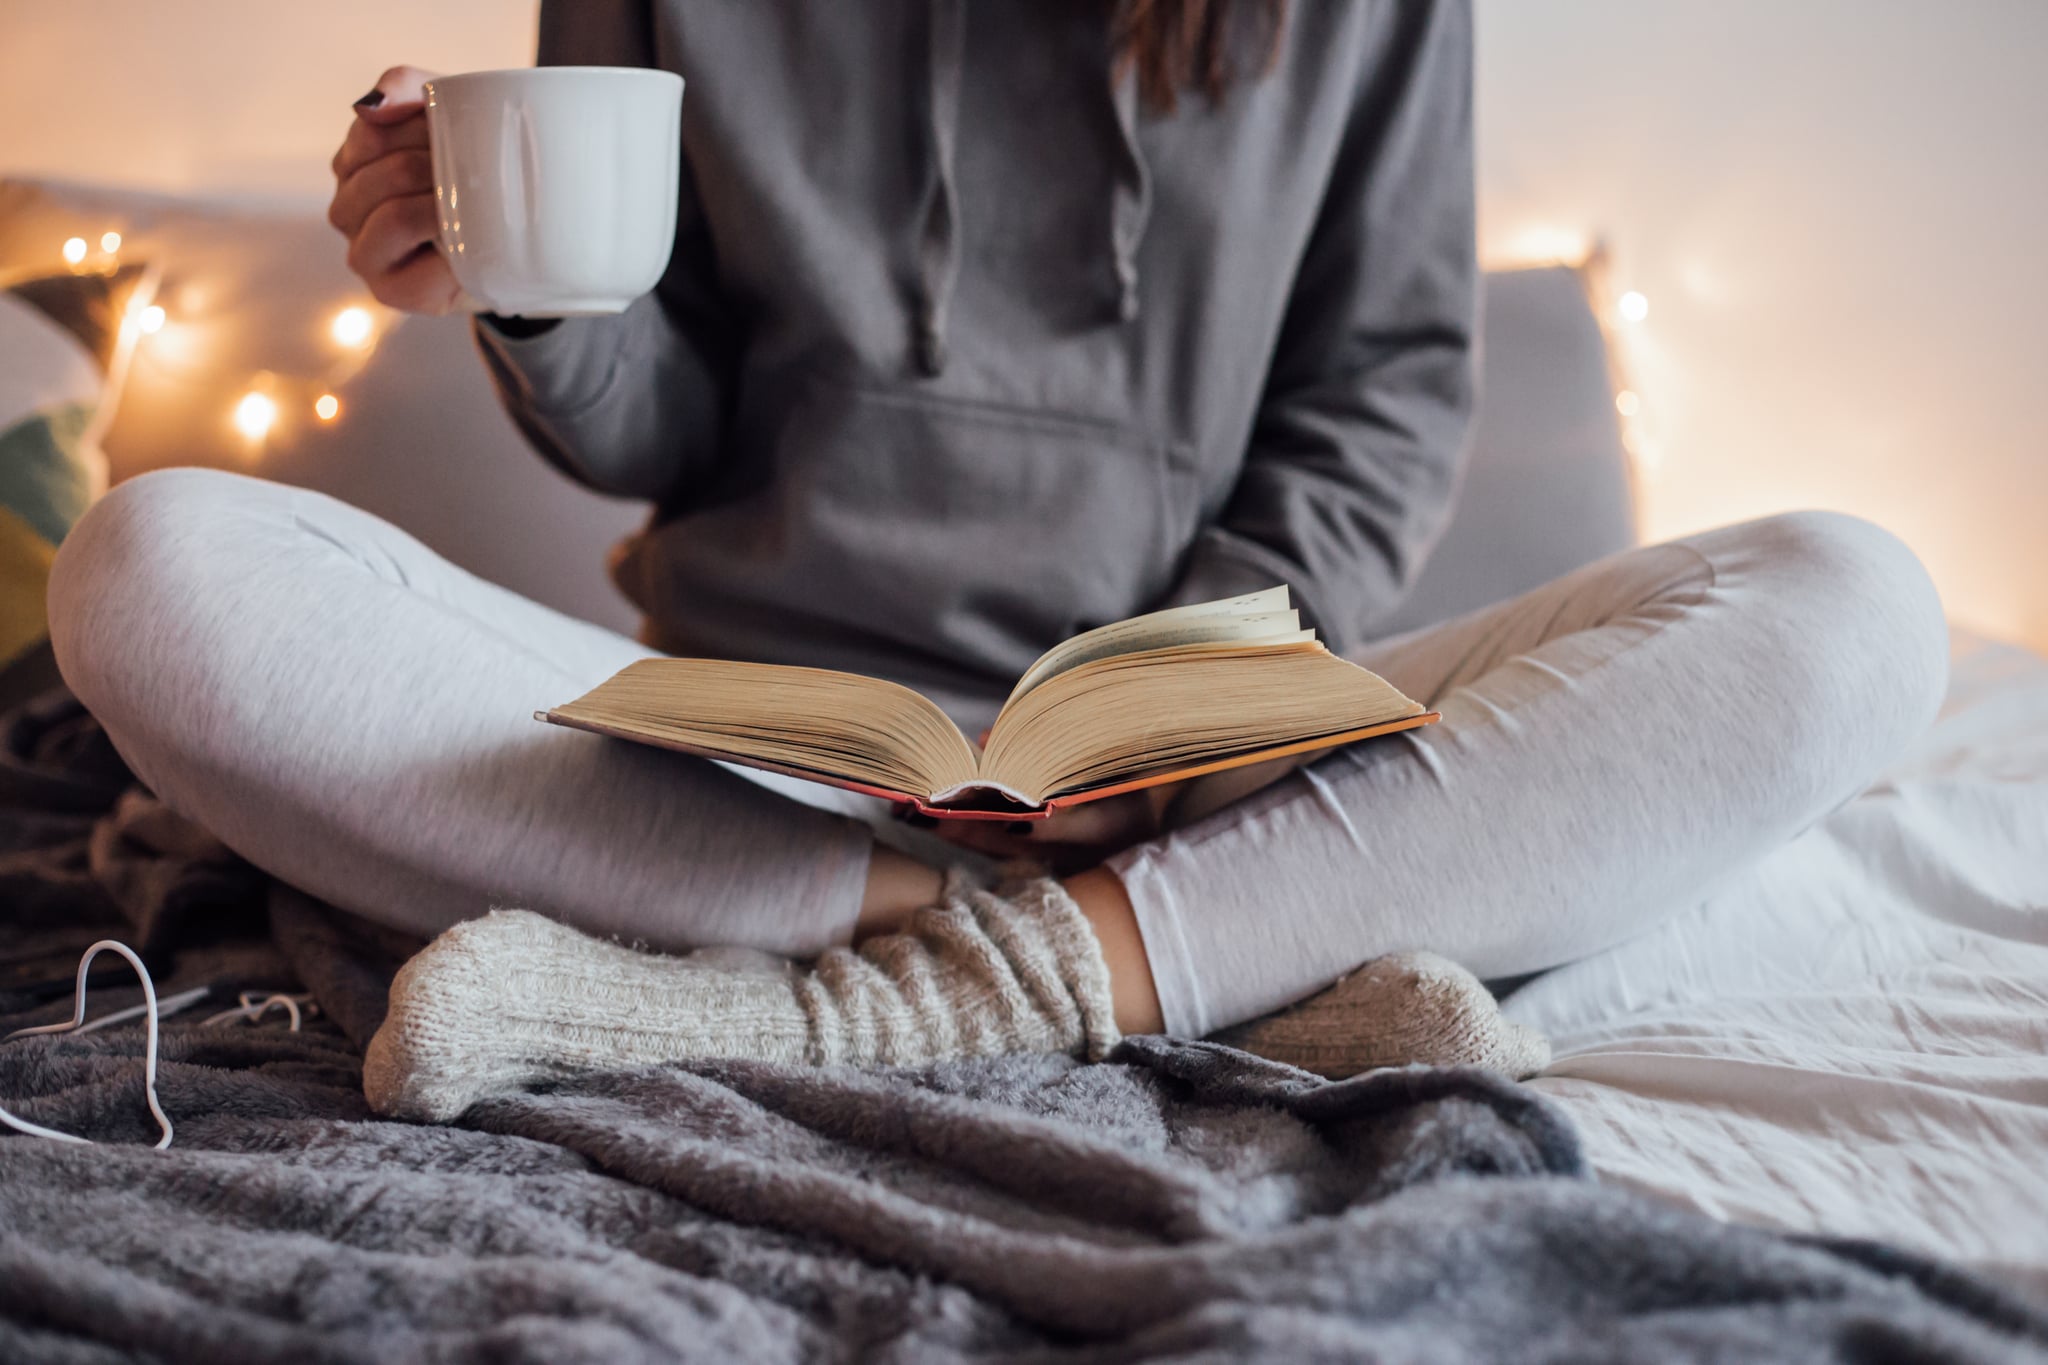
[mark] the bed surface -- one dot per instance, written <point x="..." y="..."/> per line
<point x="1853" y="1035"/>
<point x="1845" y="1041"/>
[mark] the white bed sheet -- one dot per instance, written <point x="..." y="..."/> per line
<point x="1852" y="1036"/>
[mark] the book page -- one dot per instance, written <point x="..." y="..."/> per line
<point x="1259" y="615"/>
<point x="810" y="720"/>
<point x="1129" y="714"/>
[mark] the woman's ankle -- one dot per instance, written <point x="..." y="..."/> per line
<point x="898" y="886"/>
<point x="1107" y="906"/>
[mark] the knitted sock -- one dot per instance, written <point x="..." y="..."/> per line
<point x="497" y="1003"/>
<point x="1403" y="1008"/>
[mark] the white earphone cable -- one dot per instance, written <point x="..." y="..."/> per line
<point x="151" y="1014"/>
<point x="251" y="1010"/>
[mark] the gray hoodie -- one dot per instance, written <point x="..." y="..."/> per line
<point x="962" y="350"/>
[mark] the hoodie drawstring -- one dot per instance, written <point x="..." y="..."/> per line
<point x="1131" y="200"/>
<point x="938" y="255"/>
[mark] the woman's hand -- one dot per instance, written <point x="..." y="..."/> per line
<point x="1080" y="837"/>
<point x="384" y="197"/>
<point x="1076" y="838"/>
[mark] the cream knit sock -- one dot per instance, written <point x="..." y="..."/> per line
<point x="1403" y="1008"/>
<point x="497" y="1003"/>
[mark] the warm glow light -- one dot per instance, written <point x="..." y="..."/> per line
<point x="1542" y="244"/>
<point x="1703" y="283"/>
<point x="1633" y="305"/>
<point x="255" y="415"/>
<point x="74" y="250"/>
<point x="110" y="242"/>
<point x="151" y="319"/>
<point x="1647" y="454"/>
<point x="1627" y="403"/>
<point x="352" y="327"/>
<point x="327" y="407"/>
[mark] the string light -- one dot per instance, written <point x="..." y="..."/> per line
<point x="1627" y="403"/>
<point x="261" y="406"/>
<point x="351" y="327"/>
<point x="1633" y="306"/>
<point x="255" y="414"/>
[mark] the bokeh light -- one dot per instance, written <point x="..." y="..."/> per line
<point x="255" y="414"/>
<point x="351" y="327"/>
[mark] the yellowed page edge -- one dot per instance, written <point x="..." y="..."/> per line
<point x="1336" y="741"/>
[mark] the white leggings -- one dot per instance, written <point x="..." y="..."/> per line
<point x="354" y="714"/>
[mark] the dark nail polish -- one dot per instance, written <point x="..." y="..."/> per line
<point x="1017" y="827"/>
<point x="371" y="100"/>
<point x="919" y="820"/>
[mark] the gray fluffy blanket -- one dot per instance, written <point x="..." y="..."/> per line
<point x="1182" y="1201"/>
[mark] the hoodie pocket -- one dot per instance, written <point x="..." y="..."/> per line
<point x="905" y="527"/>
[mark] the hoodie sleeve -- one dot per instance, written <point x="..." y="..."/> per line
<point x="629" y="404"/>
<point x="1356" y="448"/>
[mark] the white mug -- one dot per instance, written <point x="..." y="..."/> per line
<point x="556" y="185"/>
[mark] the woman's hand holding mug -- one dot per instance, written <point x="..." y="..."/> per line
<point x="541" y="192"/>
<point x="384" y="198"/>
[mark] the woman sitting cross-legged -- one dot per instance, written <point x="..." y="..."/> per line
<point x="1032" y="318"/>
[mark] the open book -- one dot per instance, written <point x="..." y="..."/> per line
<point x="1157" y="698"/>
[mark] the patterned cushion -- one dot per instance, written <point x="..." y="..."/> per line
<point x="61" y="345"/>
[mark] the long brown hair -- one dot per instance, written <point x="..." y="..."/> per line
<point x="1197" y="46"/>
